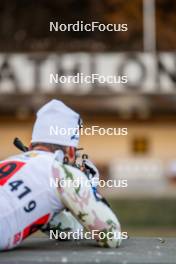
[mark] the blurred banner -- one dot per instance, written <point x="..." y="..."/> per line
<point x="109" y="73"/>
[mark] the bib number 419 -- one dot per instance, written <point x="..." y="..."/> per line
<point x="7" y="170"/>
<point x="23" y="191"/>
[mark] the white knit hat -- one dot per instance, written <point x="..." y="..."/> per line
<point x="56" y="124"/>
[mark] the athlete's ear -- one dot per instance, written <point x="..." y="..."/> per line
<point x="71" y="153"/>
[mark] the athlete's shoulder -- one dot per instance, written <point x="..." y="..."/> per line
<point x="33" y="156"/>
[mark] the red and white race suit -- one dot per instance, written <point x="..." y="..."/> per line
<point x="27" y="199"/>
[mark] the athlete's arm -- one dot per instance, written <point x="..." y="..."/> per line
<point x="77" y="195"/>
